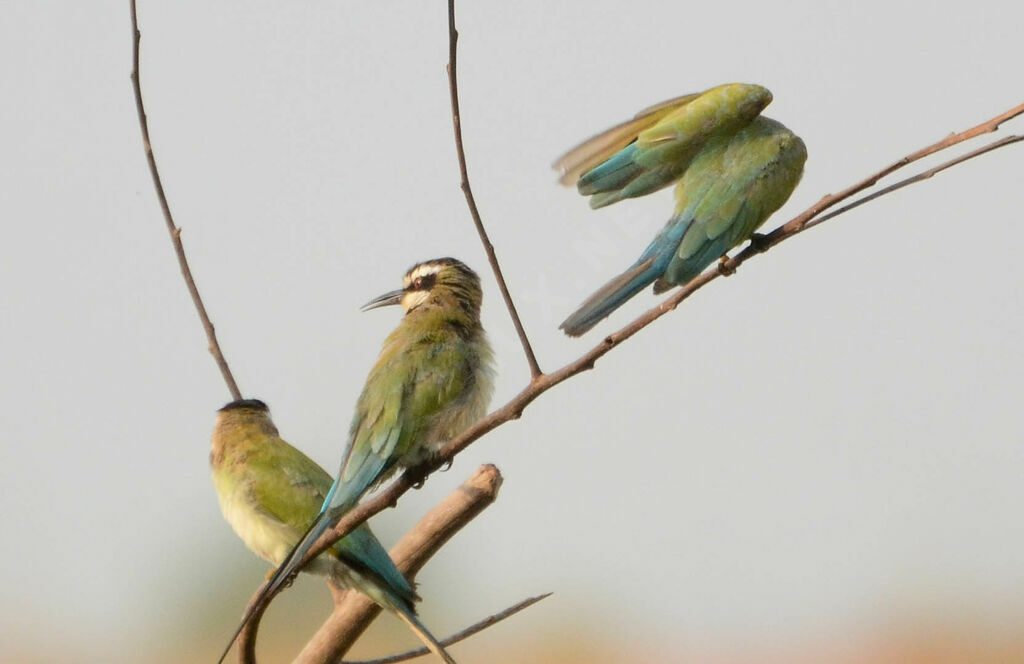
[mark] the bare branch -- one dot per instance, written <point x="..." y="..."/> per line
<point x="174" y="231"/>
<point x="458" y="636"/>
<point x="915" y="178"/>
<point x="453" y="91"/>
<point x="247" y="637"/>
<point x="353" y="611"/>
<point x="514" y="408"/>
<point x="542" y="382"/>
<point x="829" y="200"/>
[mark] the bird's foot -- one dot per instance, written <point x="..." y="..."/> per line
<point x="724" y="268"/>
<point x="446" y="466"/>
<point x="418" y="475"/>
<point x="759" y="242"/>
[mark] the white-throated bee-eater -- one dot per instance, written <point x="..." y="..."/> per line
<point x="270" y="493"/>
<point x="432" y="379"/>
<point x="733" y="169"/>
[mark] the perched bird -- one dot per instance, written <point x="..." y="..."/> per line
<point x="271" y="492"/>
<point x="733" y="168"/>
<point x="433" y="378"/>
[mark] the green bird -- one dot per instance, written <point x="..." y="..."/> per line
<point x="433" y="378"/>
<point x="270" y="493"/>
<point x="733" y="169"/>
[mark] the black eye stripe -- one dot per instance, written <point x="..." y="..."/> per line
<point x="424" y="282"/>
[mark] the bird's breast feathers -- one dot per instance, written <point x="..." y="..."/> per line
<point x="469" y="404"/>
<point x="462" y="412"/>
<point x="265" y="536"/>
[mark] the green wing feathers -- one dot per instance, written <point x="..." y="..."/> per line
<point x="653" y="150"/>
<point x="291" y="486"/>
<point x="596" y="149"/>
<point x="730" y="190"/>
<point x="419" y="376"/>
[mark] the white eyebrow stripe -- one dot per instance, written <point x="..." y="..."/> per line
<point x="421" y="271"/>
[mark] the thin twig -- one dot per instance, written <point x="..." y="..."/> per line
<point x="353" y="612"/>
<point x="175" y="231"/>
<point x="915" y="178"/>
<point x="458" y="636"/>
<point x="831" y="199"/>
<point x="453" y="92"/>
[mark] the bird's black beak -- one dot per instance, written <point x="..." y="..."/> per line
<point x="385" y="300"/>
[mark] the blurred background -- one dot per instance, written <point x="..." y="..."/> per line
<point x="819" y="459"/>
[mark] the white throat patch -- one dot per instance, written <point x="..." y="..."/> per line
<point x="413" y="299"/>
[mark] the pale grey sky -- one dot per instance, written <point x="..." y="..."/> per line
<point x="828" y="440"/>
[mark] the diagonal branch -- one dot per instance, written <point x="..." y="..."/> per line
<point x="453" y="91"/>
<point x="924" y="175"/>
<point x="831" y="199"/>
<point x="514" y="408"/>
<point x="175" y="231"/>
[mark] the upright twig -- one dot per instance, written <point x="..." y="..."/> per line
<point x="453" y="92"/>
<point x="175" y="231"/>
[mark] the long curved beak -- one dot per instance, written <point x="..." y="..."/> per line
<point x="385" y="300"/>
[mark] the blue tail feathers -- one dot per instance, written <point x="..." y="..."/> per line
<point x="610" y="297"/>
<point x="615" y="293"/>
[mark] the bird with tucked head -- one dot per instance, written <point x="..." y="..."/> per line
<point x="270" y="493"/>
<point x="733" y="169"/>
<point x="432" y="379"/>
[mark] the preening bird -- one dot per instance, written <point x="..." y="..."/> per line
<point x="270" y="493"/>
<point x="733" y="169"/>
<point x="432" y="379"/>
